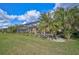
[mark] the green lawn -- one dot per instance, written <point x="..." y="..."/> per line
<point x="17" y="43"/>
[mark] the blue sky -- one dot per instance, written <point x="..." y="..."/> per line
<point x="22" y="13"/>
<point x="21" y="8"/>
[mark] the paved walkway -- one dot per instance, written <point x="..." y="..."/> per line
<point x="59" y="40"/>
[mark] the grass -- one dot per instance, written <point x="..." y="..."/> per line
<point x="23" y="44"/>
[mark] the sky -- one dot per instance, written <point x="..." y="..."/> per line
<point x="21" y="8"/>
<point x="22" y="13"/>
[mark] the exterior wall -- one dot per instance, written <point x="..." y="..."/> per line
<point x="28" y="29"/>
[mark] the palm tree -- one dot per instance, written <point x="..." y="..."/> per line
<point x="57" y="21"/>
<point x="70" y="21"/>
<point x="43" y="23"/>
<point x="65" y="20"/>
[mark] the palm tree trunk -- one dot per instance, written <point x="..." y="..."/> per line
<point x="55" y="37"/>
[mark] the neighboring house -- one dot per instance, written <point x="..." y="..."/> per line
<point x="29" y="27"/>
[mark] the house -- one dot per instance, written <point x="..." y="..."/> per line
<point x="29" y="27"/>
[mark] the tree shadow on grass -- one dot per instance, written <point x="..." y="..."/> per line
<point x="75" y="36"/>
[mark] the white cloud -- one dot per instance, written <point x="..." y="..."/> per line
<point x="4" y="15"/>
<point x="11" y="16"/>
<point x="29" y="16"/>
<point x="3" y="19"/>
<point x="4" y="25"/>
<point x="33" y="13"/>
<point x="24" y="23"/>
<point x="66" y="5"/>
<point x="3" y="12"/>
<point x="57" y="5"/>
